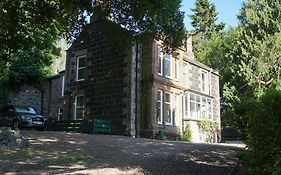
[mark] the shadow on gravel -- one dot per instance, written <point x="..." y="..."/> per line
<point x="71" y="153"/>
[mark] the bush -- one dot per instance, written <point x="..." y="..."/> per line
<point x="186" y="136"/>
<point x="263" y="155"/>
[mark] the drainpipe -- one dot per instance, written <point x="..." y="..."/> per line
<point x="136" y="89"/>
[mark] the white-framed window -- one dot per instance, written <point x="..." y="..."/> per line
<point x="185" y="74"/>
<point x="186" y="105"/>
<point x="168" y="109"/>
<point x="159" y="61"/>
<point x="177" y="109"/>
<point x="81" y="68"/>
<point x="62" y="86"/>
<point x="168" y="64"/>
<point x="204" y="81"/>
<point x="79" y="107"/>
<point x="200" y="107"/>
<point x="176" y="69"/>
<point x="159" y="107"/>
<point x="60" y="113"/>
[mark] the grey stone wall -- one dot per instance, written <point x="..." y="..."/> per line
<point x="106" y="88"/>
<point x="27" y="96"/>
<point x="53" y="96"/>
<point x="194" y="77"/>
<point x="215" y="93"/>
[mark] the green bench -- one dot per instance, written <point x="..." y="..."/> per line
<point x="102" y="126"/>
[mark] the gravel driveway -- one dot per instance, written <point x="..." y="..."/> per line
<point x="73" y="153"/>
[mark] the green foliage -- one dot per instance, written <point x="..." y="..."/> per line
<point x="187" y="134"/>
<point x="204" y="19"/>
<point x="146" y="19"/>
<point x="29" y="29"/>
<point x="207" y="125"/>
<point x="3" y="95"/>
<point x="263" y="155"/>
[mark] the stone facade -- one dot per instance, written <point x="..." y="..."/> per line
<point x="28" y="96"/>
<point x="46" y="101"/>
<point x="98" y="82"/>
<point x="177" y="91"/>
<point x="54" y="97"/>
<point x="173" y="90"/>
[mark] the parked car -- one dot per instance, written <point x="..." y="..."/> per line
<point x="21" y="117"/>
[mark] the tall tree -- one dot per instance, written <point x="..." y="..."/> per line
<point x="204" y="18"/>
<point x="253" y="62"/>
<point x="30" y="28"/>
<point x="206" y="29"/>
<point x="144" y="19"/>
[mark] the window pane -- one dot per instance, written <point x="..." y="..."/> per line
<point x="192" y="110"/>
<point x="167" y="65"/>
<point x="79" y="113"/>
<point x="79" y="101"/>
<point x="168" y="113"/>
<point x="197" y="98"/>
<point x="159" y="109"/>
<point x="186" y="105"/>
<point x="82" y="62"/>
<point x="176" y="68"/>
<point x="198" y="110"/>
<point x="81" y="74"/>
<point x="168" y="109"/>
<point x="159" y="59"/>
<point x="192" y="97"/>
<point x="167" y="98"/>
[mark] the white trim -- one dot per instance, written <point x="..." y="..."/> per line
<point x="204" y="84"/>
<point x="170" y="60"/>
<point x="75" y="106"/>
<point x="198" y="115"/>
<point x="176" y="69"/>
<point x="62" y="86"/>
<point x="59" y="113"/>
<point x="161" y="107"/>
<point x="159" y="51"/>
<point x="171" y="108"/>
<point x="79" y="68"/>
<point x="177" y="109"/>
<point x="185" y="74"/>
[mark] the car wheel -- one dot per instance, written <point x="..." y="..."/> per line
<point x="16" y="124"/>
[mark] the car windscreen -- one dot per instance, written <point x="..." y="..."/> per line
<point x="27" y="110"/>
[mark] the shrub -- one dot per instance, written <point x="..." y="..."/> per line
<point x="263" y="155"/>
<point x="186" y="136"/>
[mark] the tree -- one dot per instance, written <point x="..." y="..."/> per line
<point x="206" y="30"/>
<point x="204" y="18"/>
<point x="31" y="28"/>
<point x="146" y="19"/>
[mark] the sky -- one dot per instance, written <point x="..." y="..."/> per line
<point x="227" y="9"/>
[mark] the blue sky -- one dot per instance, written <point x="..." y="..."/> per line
<point x="227" y="10"/>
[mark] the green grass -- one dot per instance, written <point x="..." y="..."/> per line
<point x="11" y="155"/>
<point x="73" y="157"/>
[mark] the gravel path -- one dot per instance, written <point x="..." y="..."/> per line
<point x="72" y="153"/>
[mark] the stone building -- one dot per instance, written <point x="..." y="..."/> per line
<point x="179" y="91"/>
<point x="47" y="100"/>
<point x="173" y="89"/>
<point x="54" y="97"/>
<point x="28" y="95"/>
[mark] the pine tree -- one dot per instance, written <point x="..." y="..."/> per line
<point x="204" y="18"/>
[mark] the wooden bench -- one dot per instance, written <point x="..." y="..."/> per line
<point x="102" y="126"/>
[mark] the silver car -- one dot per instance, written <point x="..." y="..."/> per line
<point x="21" y="117"/>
